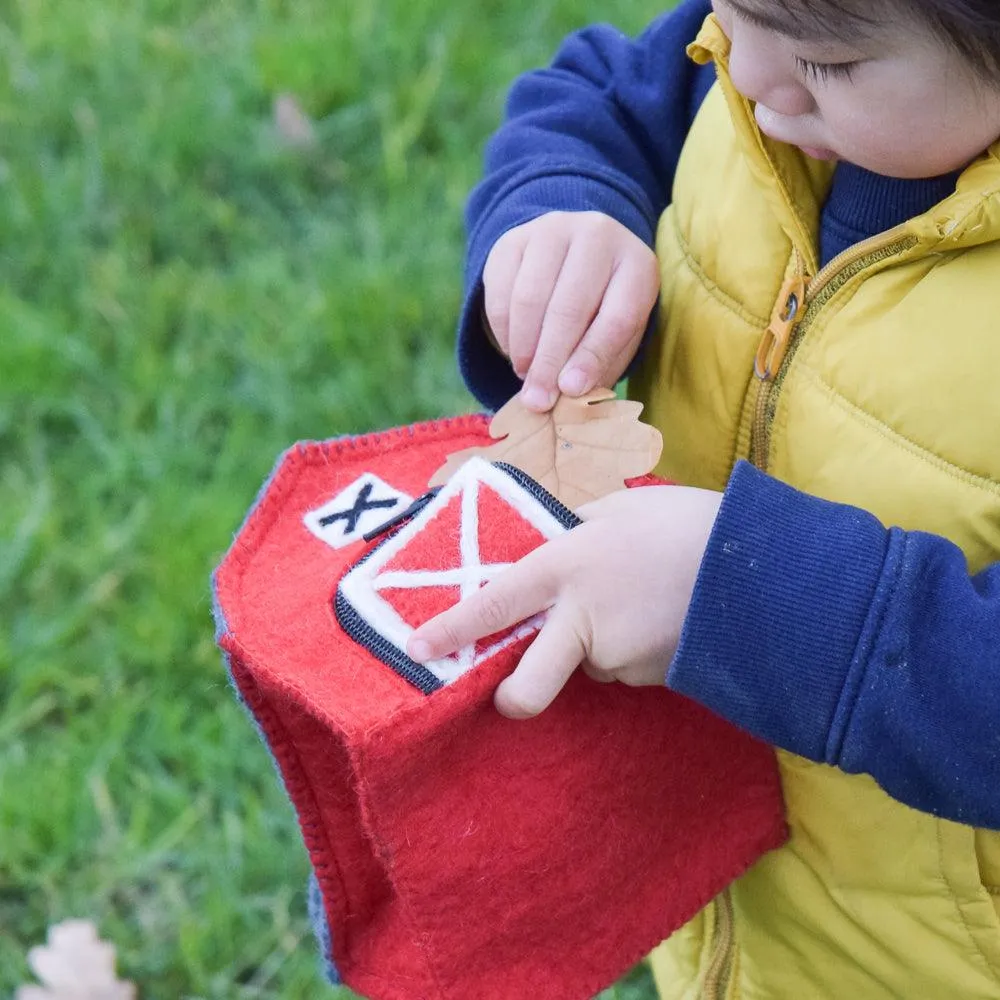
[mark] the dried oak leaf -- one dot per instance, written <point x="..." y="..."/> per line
<point x="75" y="965"/>
<point x="584" y="448"/>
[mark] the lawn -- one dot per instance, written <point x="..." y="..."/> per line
<point x="182" y="295"/>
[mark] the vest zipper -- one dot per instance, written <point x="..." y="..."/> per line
<point x="799" y="300"/>
<point x="720" y="966"/>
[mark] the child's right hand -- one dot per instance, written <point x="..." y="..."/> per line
<point x="568" y="296"/>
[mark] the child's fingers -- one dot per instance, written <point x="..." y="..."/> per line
<point x="544" y="669"/>
<point x="617" y="367"/>
<point x="600" y="676"/>
<point x="572" y="307"/>
<point x="498" y="279"/>
<point x="529" y="298"/>
<point x="611" y="368"/>
<point x="516" y="594"/>
<point x="616" y="329"/>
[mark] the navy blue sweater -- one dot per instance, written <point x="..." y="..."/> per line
<point x="885" y="656"/>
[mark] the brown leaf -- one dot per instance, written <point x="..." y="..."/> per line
<point x="583" y="449"/>
<point x="75" y="965"/>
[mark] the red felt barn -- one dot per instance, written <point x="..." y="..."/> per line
<point x="458" y="853"/>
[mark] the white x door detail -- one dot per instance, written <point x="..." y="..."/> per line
<point x="365" y="584"/>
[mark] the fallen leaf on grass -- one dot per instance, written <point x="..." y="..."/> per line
<point x="292" y="123"/>
<point x="75" y="965"/>
<point x="584" y="448"/>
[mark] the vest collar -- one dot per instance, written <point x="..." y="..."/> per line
<point x="796" y="186"/>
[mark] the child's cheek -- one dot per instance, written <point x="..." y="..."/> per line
<point x="724" y="18"/>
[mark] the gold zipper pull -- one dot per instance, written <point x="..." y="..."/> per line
<point x="787" y="312"/>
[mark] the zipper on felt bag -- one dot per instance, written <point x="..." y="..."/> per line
<point x="381" y="647"/>
<point x="404" y="515"/>
<point x="557" y="509"/>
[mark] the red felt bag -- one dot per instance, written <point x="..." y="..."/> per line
<point x="459" y="853"/>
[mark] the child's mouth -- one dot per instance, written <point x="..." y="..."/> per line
<point x="771" y="124"/>
<point x="818" y="153"/>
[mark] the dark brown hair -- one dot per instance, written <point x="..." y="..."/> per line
<point x="971" y="27"/>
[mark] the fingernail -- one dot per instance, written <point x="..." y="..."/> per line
<point x="418" y="650"/>
<point x="537" y="398"/>
<point x="574" y="381"/>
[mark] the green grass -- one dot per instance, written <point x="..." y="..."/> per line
<point x="181" y="297"/>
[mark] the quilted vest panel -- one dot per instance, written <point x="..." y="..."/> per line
<point x="885" y="398"/>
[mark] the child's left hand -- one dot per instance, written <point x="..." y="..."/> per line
<point x="617" y="589"/>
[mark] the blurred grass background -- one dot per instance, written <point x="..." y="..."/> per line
<point x="183" y="295"/>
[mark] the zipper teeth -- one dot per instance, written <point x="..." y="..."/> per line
<point x="824" y="285"/>
<point x="758" y="447"/>
<point x="380" y="647"/>
<point x="716" y="979"/>
<point x="890" y="238"/>
<point x="820" y="290"/>
<point x="405" y="515"/>
<point x="555" y="507"/>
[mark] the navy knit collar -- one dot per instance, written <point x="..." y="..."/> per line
<point x="862" y="204"/>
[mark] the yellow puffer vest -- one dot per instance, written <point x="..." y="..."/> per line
<point x="877" y="384"/>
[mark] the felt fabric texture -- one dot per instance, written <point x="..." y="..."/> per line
<point x="483" y="519"/>
<point x="317" y="917"/>
<point x="362" y="507"/>
<point x="458" y="853"/>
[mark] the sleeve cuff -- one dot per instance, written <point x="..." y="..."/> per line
<point x="782" y="602"/>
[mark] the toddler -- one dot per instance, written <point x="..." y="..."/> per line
<point x="821" y="183"/>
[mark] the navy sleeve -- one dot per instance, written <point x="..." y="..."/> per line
<point x="872" y="649"/>
<point x="601" y="129"/>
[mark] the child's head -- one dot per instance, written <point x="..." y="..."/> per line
<point x="907" y="88"/>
